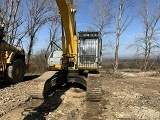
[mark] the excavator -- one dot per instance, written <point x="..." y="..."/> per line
<point x="79" y="59"/>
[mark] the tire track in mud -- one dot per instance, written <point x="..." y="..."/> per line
<point x="93" y="111"/>
<point x="14" y="95"/>
<point x="65" y="104"/>
<point x="130" y="98"/>
<point x="17" y="102"/>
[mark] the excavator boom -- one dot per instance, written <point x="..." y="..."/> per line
<point x="69" y="38"/>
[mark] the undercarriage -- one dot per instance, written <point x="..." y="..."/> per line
<point x="86" y="80"/>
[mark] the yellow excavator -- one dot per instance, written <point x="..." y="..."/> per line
<point x="79" y="58"/>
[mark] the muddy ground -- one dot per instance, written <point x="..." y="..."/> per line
<point x="130" y="95"/>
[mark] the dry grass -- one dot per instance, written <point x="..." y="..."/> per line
<point x="38" y="63"/>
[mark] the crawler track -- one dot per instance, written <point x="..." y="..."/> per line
<point x="44" y="87"/>
<point x="38" y="90"/>
<point x="94" y="88"/>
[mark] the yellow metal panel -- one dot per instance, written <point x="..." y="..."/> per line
<point x="63" y="44"/>
<point x="69" y="42"/>
<point x="55" y="67"/>
<point x="86" y="68"/>
<point x="9" y="57"/>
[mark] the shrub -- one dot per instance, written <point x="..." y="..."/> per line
<point x="38" y="63"/>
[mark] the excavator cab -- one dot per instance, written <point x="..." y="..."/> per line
<point x="89" y="51"/>
<point x="54" y="60"/>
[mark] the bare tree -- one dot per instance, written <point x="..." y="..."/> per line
<point x="37" y="17"/>
<point x="101" y="20"/>
<point x="12" y="17"/>
<point x="123" y="22"/>
<point x="55" y="23"/>
<point x="147" y="44"/>
<point x="77" y="3"/>
<point x="101" y="15"/>
<point x="54" y="36"/>
<point x="54" y="26"/>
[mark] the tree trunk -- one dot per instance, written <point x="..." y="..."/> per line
<point x="118" y="33"/>
<point x="30" y="49"/>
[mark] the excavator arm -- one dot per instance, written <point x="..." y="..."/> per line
<point x="69" y="37"/>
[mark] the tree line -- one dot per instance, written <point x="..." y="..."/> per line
<point x="122" y="13"/>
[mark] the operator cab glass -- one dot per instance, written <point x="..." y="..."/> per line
<point x="89" y="52"/>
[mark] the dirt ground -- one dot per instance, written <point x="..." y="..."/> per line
<point x="131" y="95"/>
